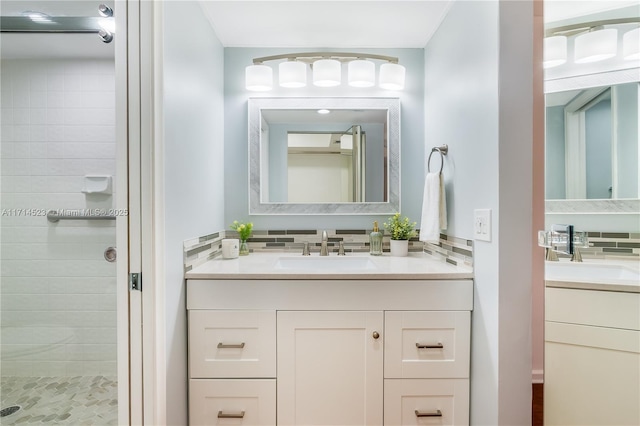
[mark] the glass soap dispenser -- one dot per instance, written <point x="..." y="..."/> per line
<point x="375" y="241"/>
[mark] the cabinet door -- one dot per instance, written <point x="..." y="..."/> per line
<point x="330" y="368"/>
<point x="591" y="375"/>
<point x="232" y="402"/>
<point x="427" y="345"/>
<point x="426" y="402"/>
<point x="232" y="344"/>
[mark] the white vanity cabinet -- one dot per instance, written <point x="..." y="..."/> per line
<point x="592" y="357"/>
<point x="232" y="367"/>
<point x="330" y="352"/>
<point x="330" y="367"/>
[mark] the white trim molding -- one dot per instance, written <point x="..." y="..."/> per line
<point x="537" y="376"/>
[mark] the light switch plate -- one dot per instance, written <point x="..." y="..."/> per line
<point x="482" y="224"/>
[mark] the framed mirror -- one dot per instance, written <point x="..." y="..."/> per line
<point x="324" y="155"/>
<point x="592" y="143"/>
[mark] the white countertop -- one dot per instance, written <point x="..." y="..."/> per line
<point x="621" y="275"/>
<point x="416" y="266"/>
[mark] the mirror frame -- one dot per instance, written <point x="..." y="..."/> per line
<point x="259" y="207"/>
<point x="578" y="206"/>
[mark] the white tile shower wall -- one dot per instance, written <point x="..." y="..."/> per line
<point x="58" y="294"/>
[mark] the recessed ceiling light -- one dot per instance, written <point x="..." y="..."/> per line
<point x="323" y="111"/>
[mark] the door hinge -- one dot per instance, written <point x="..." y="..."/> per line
<point x="135" y="281"/>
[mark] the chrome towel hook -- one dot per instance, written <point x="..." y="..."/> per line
<point x="443" y="150"/>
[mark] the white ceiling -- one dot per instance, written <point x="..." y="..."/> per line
<point x="325" y="23"/>
<point x="264" y="23"/>
<point x="560" y="10"/>
<point x="351" y="24"/>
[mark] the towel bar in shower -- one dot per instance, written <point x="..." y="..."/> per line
<point x="443" y="150"/>
<point x="54" y="216"/>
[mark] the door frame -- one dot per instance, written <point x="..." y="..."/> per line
<point x="133" y="139"/>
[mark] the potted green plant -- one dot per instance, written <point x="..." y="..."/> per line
<point x="244" y="232"/>
<point x="401" y="230"/>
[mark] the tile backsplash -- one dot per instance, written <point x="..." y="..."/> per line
<point x="199" y="250"/>
<point x="608" y="244"/>
<point x="454" y="250"/>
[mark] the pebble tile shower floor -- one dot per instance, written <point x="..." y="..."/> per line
<point x="80" y="400"/>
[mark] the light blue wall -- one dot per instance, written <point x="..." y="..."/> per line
<point x="236" y="137"/>
<point x="598" y="150"/>
<point x="193" y="142"/>
<point x="555" y="187"/>
<point x="628" y="115"/>
<point x="461" y="108"/>
<point x="478" y="100"/>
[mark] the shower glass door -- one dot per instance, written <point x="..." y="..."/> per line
<point x="59" y="218"/>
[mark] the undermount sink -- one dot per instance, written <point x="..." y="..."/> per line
<point x="328" y="263"/>
<point x="561" y="271"/>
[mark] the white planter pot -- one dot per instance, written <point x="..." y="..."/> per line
<point x="399" y="248"/>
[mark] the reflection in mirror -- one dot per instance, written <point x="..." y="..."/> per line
<point x="343" y="162"/>
<point x="335" y="161"/>
<point x="592" y="143"/>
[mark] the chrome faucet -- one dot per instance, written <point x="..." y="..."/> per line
<point x="305" y="249"/>
<point x="324" y="251"/>
<point x="563" y="239"/>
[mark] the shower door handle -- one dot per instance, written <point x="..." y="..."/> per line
<point x="110" y="254"/>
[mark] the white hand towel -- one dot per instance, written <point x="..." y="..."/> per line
<point x="434" y="209"/>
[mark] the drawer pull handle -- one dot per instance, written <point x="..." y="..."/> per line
<point x="230" y="346"/>
<point x="223" y="415"/>
<point x="436" y="346"/>
<point x="436" y="413"/>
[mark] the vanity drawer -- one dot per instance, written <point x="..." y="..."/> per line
<point x="232" y="402"/>
<point x="426" y="401"/>
<point x="232" y="344"/>
<point x="420" y="344"/>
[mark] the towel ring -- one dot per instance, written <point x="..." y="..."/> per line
<point x="443" y="150"/>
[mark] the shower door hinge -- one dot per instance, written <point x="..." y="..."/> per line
<point x="135" y="281"/>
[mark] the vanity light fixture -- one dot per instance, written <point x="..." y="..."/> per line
<point x="326" y="71"/>
<point x="323" y="111"/>
<point x="292" y="74"/>
<point x="259" y="78"/>
<point x="631" y="44"/>
<point x="555" y="51"/>
<point x="392" y="76"/>
<point x="596" y="46"/>
<point x="362" y="73"/>
<point x="591" y="41"/>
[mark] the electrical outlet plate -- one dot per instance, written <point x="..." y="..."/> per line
<point x="482" y="224"/>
